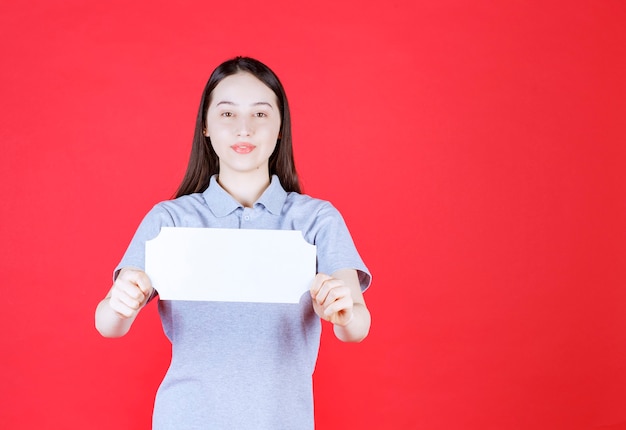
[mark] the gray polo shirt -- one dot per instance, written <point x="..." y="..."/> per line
<point x="244" y="365"/>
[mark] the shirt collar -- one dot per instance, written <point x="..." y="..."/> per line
<point x="221" y="203"/>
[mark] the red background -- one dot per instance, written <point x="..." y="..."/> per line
<point x="476" y="150"/>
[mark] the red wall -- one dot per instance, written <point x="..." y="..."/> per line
<point x="477" y="150"/>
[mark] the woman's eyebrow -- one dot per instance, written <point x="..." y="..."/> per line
<point x="263" y="104"/>
<point x="229" y="103"/>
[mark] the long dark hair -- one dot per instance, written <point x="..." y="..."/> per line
<point x="203" y="161"/>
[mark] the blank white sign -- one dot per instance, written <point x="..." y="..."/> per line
<point x="230" y="265"/>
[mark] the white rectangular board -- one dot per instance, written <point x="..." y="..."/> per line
<point x="231" y="265"/>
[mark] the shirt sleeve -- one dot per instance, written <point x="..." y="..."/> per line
<point x="150" y="227"/>
<point x="335" y="247"/>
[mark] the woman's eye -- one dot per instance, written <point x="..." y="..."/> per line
<point x="260" y="114"/>
<point x="227" y="114"/>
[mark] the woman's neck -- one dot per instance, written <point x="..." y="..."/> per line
<point x="245" y="188"/>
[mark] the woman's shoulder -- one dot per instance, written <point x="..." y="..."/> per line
<point x="179" y="206"/>
<point x="298" y="199"/>
<point x="311" y="206"/>
<point x="182" y="202"/>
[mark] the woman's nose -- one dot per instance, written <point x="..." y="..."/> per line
<point x="244" y="127"/>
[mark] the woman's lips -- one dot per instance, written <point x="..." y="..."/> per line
<point x="243" y="148"/>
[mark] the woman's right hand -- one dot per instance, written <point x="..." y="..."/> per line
<point x="130" y="292"/>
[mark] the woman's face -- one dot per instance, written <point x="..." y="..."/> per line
<point x="243" y="122"/>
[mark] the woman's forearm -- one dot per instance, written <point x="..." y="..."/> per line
<point x="357" y="328"/>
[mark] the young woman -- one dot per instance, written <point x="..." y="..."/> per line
<point x="243" y="365"/>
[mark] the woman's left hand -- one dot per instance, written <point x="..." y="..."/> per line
<point x="332" y="299"/>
